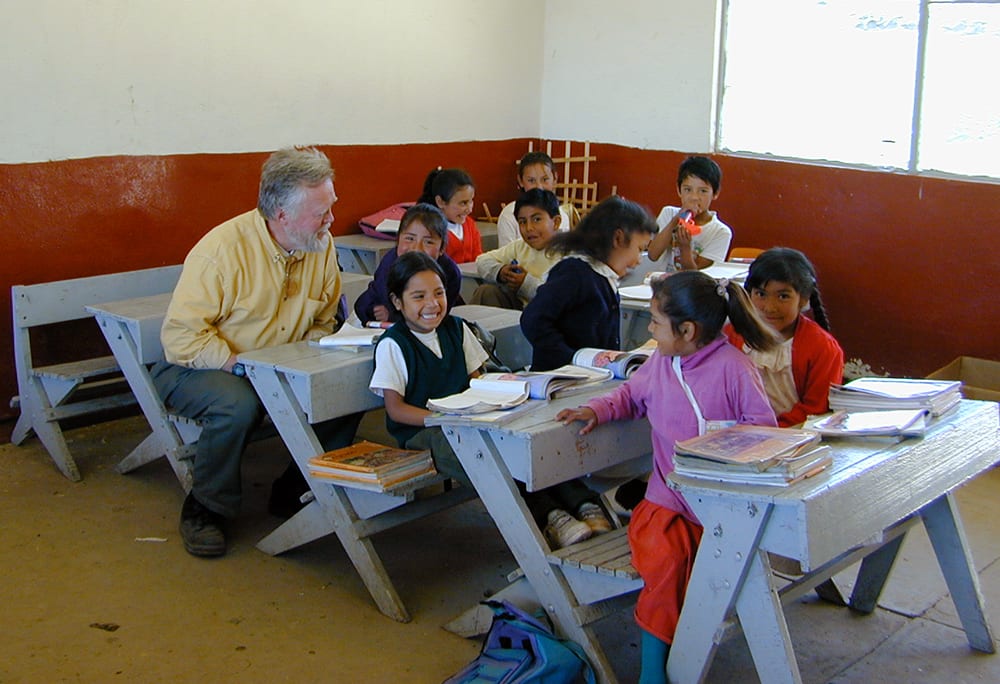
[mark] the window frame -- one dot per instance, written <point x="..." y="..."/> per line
<point x="912" y="168"/>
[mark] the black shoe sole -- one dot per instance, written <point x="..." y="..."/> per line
<point x="204" y="551"/>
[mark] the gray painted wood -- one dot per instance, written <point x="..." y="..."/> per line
<point x="535" y="449"/>
<point x="864" y="501"/>
<point x="44" y="393"/>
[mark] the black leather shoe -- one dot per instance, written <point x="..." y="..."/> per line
<point x="201" y="529"/>
<point x="286" y="493"/>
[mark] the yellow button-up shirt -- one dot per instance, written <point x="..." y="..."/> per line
<point x="240" y="290"/>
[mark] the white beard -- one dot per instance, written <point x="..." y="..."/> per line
<point x="317" y="242"/>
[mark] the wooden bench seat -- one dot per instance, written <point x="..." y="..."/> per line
<point x="606" y="554"/>
<point x="54" y="392"/>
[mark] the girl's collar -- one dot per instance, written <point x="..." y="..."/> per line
<point x="694" y="359"/>
<point x="599" y="267"/>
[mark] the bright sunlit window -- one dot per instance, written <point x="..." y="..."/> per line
<point x="898" y="84"/>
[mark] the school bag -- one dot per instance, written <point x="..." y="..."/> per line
<point x="520" y="649"/>
<point x="494" y="364"/>
<point x="370" y="224"/>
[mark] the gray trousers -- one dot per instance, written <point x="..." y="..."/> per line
<point x="228" y="410"/>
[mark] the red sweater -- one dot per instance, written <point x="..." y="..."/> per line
<point x="817" y="363"/>
<point x="469" y="247"/>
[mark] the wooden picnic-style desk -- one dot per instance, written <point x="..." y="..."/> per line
<point x="535" y="449"/>
<point x="132" y="330"/>
<point x="860" y="508"/>
<point x="302" y="384"/>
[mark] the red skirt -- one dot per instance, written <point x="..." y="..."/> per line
<point x="664" y="544"/>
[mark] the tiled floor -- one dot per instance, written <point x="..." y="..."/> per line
<point x="96" y="587"/>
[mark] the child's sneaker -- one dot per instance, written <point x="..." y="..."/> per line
<point x="563" y="529"/>
<point x="593" y="515"/>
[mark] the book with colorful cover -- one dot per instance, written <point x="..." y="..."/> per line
<point x="368" y="461"/>
<point x="747" y="447"/>
<point x="785" y="473"/>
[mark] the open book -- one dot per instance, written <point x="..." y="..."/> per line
<point x="621" y="363"/>
<point x="545" y="384"/>
<point x="350" y="336"/>
<point x="483" y="395"/>
<point x="900" y="423"/>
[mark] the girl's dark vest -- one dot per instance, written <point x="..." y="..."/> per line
<point x="427" y="375"/>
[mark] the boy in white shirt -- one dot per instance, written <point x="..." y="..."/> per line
<point x="700" y="239"/>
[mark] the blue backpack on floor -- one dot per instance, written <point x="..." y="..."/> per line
<point x="519" y="648"/>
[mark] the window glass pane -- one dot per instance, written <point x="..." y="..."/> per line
<point x="820" y="79"/>
<point x="960" y="122"/>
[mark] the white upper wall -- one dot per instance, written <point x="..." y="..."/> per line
<point x="641" y="73"/>
<point x="105" y="77"/>
<point x="134" y="77"/>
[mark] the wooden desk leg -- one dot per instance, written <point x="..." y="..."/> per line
<point x="309" y="524"/>
<point x="278" y="398"/>
<point x="165" y="440"/>
<point x="764" y="626"/>
<point x="947" y="535"/>
<point x="35" y="404"/>
<point x="728" y="545"/>
<point x="872" y="576"/>
<point x="499" y="494"/>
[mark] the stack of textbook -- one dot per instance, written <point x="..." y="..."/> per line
<point x="752" y="454"/>
<point x="874" y="394"/>
<point x="371" y="466"/>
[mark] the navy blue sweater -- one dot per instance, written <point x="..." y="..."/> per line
<point x="576" y="307"/>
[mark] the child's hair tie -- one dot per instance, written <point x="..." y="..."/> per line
<point x="721" y="289"/>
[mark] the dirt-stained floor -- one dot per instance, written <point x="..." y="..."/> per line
<point x="97" y="587"/>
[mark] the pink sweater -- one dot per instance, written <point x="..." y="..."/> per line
<point x="726" y="386"/>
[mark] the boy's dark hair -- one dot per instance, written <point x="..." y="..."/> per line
<point x="595" y="233"/>
<point x="545" y="200"/>
<point x="444" y="183"/>
<point x="697" y="297"/>
<point x="787" y="265"/>
<point x="703" y="168"/>
<point x="532" y="158"/>
<point x="408" y="266"/>
<point x="431" y="218"/>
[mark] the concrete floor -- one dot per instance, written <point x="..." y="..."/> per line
<point x="97" y="587"/>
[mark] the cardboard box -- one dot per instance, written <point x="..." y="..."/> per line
<point x="980" y="377"/>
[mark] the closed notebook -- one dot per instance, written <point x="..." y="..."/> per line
<point x="751" y="447"/>
<point x="871" y="394"/>
<point x="367" y="458"/>
<point x="903" y="423"/>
